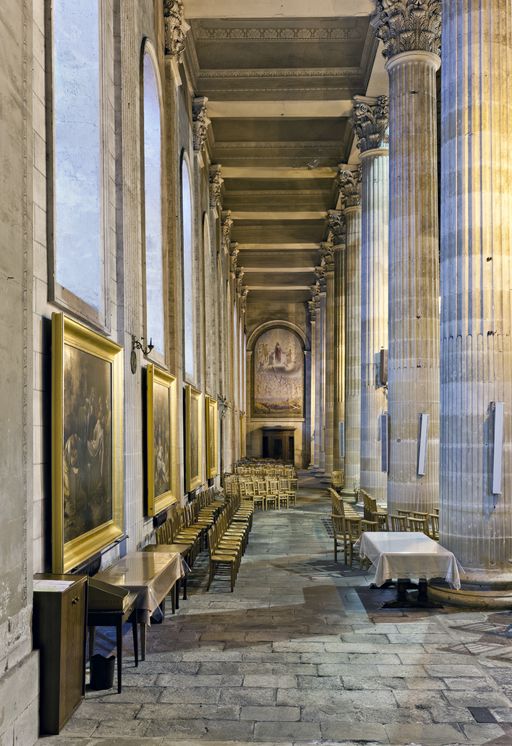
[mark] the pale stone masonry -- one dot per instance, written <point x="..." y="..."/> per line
<point x="411" y="33"/>
<point x="339" y="362"/>
<point x="476" y="282"/>
<point x="352" y="346"/>
<point x="328" y="262"/>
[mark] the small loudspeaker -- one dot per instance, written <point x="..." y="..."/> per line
<point x="383" y="367"/>
<point x="384" y="441"/>
<point x="497" y="451"/>
<point x="341" y="434"/>
<point x="422" y="445"/>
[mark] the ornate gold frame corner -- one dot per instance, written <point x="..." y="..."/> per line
<point x="67" y="331"/>
<point x="156" y="503"/>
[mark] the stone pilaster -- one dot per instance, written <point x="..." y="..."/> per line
<point x="352" y="347"/>
<point x="328" y="263"/>
<point x="476" y="282"/>
<point x="320" y="367"/>
<point x="410" y="32"/>
<point x="371" y="118"/>
<point x="339" y="351"/>
<point x="313" y="342"/>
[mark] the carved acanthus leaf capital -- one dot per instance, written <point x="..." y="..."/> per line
<point x="176" y="29"/>
<point x="337" y="227"/>
<point x="216" y="183"/>
<point x="200" y="122"/>
<point x="408" y="26"/>
<point x="233" y="255"/>
<point x="227" y="224"/>
<point x="349" y="184"/>
<point x="370" y="118"/>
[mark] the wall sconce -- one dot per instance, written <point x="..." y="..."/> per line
<point x="139" y="344"/>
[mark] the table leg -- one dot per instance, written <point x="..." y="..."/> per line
<point x="135" y="641"/>
<point x="177" y="591"/>
<point x="92" y="634"/>
<point x="185" y="587"/>
<point x="143" y="641"/>
<point x="119" y="640"/>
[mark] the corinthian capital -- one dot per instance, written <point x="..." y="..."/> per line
<point x="176" y="28"/>
<point x="227" y="224"/>
<point x="349" y="183"/>
<point x="216" y="182"/>
<point x="408" y="26"/>
<point x="337" y="227"/>
<point x="200" y="122"/>
<point x="370" y="120"/>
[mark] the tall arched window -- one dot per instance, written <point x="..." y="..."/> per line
<point x="77" y="208"/>
<point x="152" y="168"/>
<point x="189" y="312"/>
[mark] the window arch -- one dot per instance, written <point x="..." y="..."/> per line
<point x="77" y="202"/>
<point x="152" y="199"/>
<point x="188" y="266"/>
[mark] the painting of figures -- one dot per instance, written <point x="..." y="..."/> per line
<point x="278" y="374"/>
<point x="193" y="438"/>
<point x="160" y="418"/>
<point x="87" y="437"/>
<point x="87" y="452"/>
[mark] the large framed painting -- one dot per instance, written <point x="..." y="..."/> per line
<point x="212" y="438"/>
<point x="193" y="438"/>
<point x="160" y="408"/>
<point x="87" y="443"/>
<point x="278" y="375"/>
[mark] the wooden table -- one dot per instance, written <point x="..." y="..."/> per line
<point x="151" y="575"/>
<point x="115" y="618"/>
<point x="403" y="555"/>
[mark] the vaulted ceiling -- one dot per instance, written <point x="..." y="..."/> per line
<point x="279" y="76"/>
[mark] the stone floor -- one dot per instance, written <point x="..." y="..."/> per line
<point x="301" y="653"/>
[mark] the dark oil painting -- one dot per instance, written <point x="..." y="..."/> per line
<point x="161" y="438"/>
<point x="87" y="467"/>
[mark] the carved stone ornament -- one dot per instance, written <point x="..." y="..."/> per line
<point x="337" y="227"/>
<point x="176" y="29"/>
<point x="216" y="182"/>
<point x="227" y="224"/>
<point x="370" y="119"/>
<point x="312" y="309"/>
<point x="408" y="26"/>
<point x="349" y="184"/>
<point x="233" y="253"/>
<point x="315" y="289"/>
<point x="200" y="122"/>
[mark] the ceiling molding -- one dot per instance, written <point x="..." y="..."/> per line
<point x="249" y="172"/>
<point x="240" y="216"/>
<point x="279" y="247"/>
<point x="278" y="270"/>
<point x="283" y="72"/>
<point x="280" y="288"/>
<point x="268" y="9"/>
<point x="249" y="34"/>
<point x="279" y="109"/>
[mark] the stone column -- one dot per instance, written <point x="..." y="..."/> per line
<point x="371" y="122"/>
<point x="411" y="33"/>
<point x="312" y="335"/>
<point x="476" y="281"/>
<point x="328" y="263"/>
<point x="320" y="378"/>
<point x="339" y="352"/>
<point x="352" y="347"/>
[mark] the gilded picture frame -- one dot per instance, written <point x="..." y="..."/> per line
<point x="193" y="438"/>
<point x="160" y="418"/>
<point x="212" y="438"/>
<point x="87" y="443"/>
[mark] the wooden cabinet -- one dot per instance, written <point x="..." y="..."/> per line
<point x="60" y="610"/>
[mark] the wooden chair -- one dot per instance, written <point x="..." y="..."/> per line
<point x="418" y="524"/>
<point x="398" y="522"/>
<point x="272" y="495"/>
<point x="434" y="526"/>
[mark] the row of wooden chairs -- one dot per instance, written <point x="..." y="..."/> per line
<point x="227" y="540"/>
<point x="410" y="520"/>
<point x="347" y="527"/>
<point x="265" y="493"/>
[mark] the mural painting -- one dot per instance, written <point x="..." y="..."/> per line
<point x="278" y="389"/>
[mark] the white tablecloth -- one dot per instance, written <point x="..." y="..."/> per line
<point x="404" y="554"/>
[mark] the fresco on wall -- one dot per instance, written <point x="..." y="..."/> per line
<point x="278" y="374"/>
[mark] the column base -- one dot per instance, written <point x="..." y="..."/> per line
<point x="476" y="595"/>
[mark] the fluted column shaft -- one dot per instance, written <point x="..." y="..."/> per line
<point x="313" y="343"/>
<point x="374" y="313"/>
<point x="413" y="280"/>
<point x="329" y="364"/>
<point x="339" y="353"/>
<point x="353" y="347"/>
<point x="476" y="283"/>
<point x="321" y="382"/>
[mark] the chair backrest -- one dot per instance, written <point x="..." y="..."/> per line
<point x="337" y="523"/>
<point x="418" y="524"/>
<point x="398" y="522"/>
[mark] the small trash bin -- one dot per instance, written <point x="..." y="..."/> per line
<point x="102" y="671"/>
